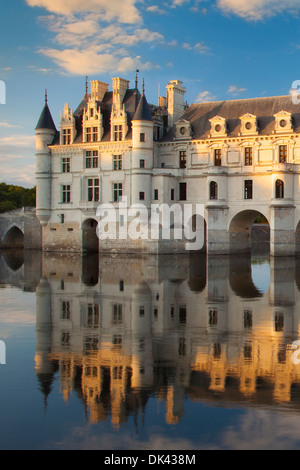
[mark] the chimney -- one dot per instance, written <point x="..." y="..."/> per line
<point x="120" y="86"/>
<point x="175" y="93"/>
<point x="98" y="90"/>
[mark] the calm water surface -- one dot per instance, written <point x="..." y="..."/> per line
<point x="174" y="352"/>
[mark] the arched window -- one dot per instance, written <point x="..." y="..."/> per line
<point x="279" y="189"/>
<point x="213" y="190"/>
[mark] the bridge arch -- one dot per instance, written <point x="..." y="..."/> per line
<point x="14" y="237"/>
<point x="241" y="234"/>
<point x="90" y="240"/>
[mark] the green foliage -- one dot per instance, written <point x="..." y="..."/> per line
<point x="261" y="220"/>
<point x="13" y="197"/>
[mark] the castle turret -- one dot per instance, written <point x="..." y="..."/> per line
<point x="142" y="153"/>
<point x="45" y="132"/>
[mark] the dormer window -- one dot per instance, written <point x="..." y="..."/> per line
<point x="249" y="124"/>
<point x="218" y="126"/>
<point x="283" y="122"/>
<point x="118" y="133"/>
<point x="92" y="123"/>
<point x="183" y="129"/>
<point x="66" y="140"/>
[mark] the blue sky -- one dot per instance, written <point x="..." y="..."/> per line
<point x="220" y="49"/>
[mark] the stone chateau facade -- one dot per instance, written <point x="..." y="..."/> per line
<point x="239" y="159"/>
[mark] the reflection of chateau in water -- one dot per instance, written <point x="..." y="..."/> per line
<point x="123" y="330"/>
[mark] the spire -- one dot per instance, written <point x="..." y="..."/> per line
<point x="136" y="80"/>
<point x="86" y="85"/>
<point x="46" y="120"/>
<point x="142" y="112"/>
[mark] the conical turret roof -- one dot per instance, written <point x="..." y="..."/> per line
<point x="46" y="120"/>
<point x="142" y="112"/>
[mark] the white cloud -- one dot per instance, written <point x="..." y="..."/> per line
<point x="123" y="11"/>
<point x="87" y="43"/>
<point x="234" y="90"/>
<point x="156" y="9"/>
<point x="200" y="47"/>
<point x="7" y="125"/>
<point x="17" y="159"/>
<point x="93" y="61"/>
<point x="205" y="97"/>
<point x="258" y="9"/>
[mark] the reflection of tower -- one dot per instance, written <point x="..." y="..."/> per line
<point x="43" y="367"/>
<point x="45" y="132"/>
<point x="142" y="355"/>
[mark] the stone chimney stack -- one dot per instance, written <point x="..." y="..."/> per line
<point x="175" y="93"/>
<point x="98" y="90"/>
<point x="120" y="86"/>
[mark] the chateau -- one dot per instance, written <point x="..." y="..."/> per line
<point x="239" y="159"/>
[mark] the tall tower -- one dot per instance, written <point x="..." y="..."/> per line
<point x="142" y="154"/>
<point x="175" y="92"/>
<point x="45" y="132"/>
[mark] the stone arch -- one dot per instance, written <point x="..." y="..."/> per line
<point x="90" y="240"/>
<point x="14" y="238"/>
<point x="241" y="231"/>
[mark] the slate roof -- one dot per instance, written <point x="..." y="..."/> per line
<point x="131" y="101"/>
<point x="46" y="121"/>
<point x="264" y="108"/>
<point x="142" y="112"/>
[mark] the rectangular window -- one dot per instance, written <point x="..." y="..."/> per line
<point x="172" y="194"/>
<point x="248" y="319"/>
<point x="117" y="314"/>
<point x="182" y="191"/>
<point x="118" y="191"/>
<point x="118" y="134"/>
<point x="118" y="162"/>
<point x="142" y="137"/>
<point x="279" y="321"/>
<point x="248" y="190"/>
<point x="89" y="134"/>
<point x="182" y="314"/>
<point x="155" y="194"/>
<point x="95" y="134"/>
<point x="66" y="193"/>
<point x="282" y="153"/>
<point x="142" y="196"/>
<point x="142" y="163"/>
<point x="93" y="316"/>
<point x="182" y="159"/>
<point x="65" y="310"/>
<point x="66" y="165"/>
<point x="66" y="136"/>
<point x="142" y="311"/>
<point x="218" y="157"/>
<point x="92" y="159"/>
<point x="213" y="318"/>
<point x="93" y="189"/>
<point x="248" y="156"/>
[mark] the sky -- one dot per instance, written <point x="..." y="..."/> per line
<point x="219" y="49"/>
